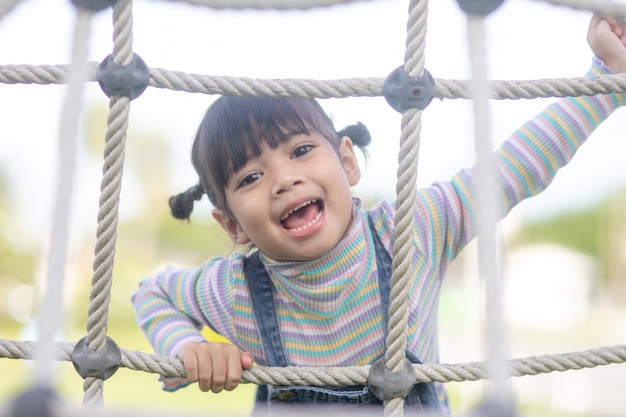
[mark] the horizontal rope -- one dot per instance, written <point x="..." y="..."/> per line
<point x="603" y="7"/>
<point x="339" y="88"/>
<point x="338" y="376"/>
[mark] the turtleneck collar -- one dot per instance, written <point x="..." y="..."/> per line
<point x="326" y="284"/>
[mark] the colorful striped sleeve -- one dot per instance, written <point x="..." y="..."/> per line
<point x="526" y="164"/>
<point x="171" y="315"/>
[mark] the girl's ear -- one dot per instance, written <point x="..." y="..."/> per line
<point x="234" y="230"/>
<point x="349" y="161"/>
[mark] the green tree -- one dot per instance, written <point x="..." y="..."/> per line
<point x="150" y="237"/>
<point x="598" y="231"/>
<point x="17" y="261"/>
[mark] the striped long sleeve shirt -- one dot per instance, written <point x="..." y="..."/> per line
<point x="328" y="309"/>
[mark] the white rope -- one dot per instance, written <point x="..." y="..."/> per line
<point x="351" y="375"/>
<point x="339" y="88"/>
<point x="108" y="213"/>
<point x="603" y="7"/>
<point x="6" y="6"/>
<point x="486" y="212"/>
<point x="49" y="315"/>
<point x="406" y="189"/>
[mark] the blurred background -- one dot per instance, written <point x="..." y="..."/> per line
<point x="564" y="251"/>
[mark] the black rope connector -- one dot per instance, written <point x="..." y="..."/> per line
<point x="123" y="80"/>
<point x="94" y="5"/>
<point x="479" y="7"/>
<point x="386" y="384"/>
<point x="102" y="363"/>
<point x="404" y="92"/>
<point x="36" y="401"/>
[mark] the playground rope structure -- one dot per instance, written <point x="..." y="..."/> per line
<point x="96" y="356"/>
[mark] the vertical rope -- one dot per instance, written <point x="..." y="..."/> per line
<point x="6" y="6"/>
<point x="50" y="312"/>
<point x="406" y="190"/>
<point x="487" y="212"/>
<point x="108" y="214"/>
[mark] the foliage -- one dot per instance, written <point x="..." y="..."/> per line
<point x="17" y="260"/>
<point x="598" y="231"/>
<point x="576" y="230"/>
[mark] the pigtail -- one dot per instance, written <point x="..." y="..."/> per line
<point x="181" y="205"/>
<point x="359" y="135"/>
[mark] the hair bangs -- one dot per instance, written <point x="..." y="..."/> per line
<point x="241" y="134"/>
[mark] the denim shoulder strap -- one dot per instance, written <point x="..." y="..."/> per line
<point x="262" y="297"/>
<point x="383" y="265"/>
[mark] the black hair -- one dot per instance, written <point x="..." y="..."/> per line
<point x="233" y="130"/>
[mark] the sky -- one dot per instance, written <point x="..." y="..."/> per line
<point x="527" y="39"/>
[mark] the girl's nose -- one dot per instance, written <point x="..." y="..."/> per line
<point x="285" y="181"/>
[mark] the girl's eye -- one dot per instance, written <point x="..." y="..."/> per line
<point x="302" y="150"/>
<point x="249" y="179"/>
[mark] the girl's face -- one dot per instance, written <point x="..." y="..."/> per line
<point x="293" y="202"/>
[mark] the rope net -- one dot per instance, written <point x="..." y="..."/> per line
<point x="479" y="89"/>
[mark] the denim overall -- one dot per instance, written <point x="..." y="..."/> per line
<point x="420" y="400"/>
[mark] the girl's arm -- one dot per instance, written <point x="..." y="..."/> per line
<point x="529" y="159"/>
<point x="526" y="163"/>
<point x="166" y="309"/>
<point x="172" y="307"/>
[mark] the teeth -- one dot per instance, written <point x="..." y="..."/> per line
<point x="298" y="208"/>
<point x="309" y="224"/>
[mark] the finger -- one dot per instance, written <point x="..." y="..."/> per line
<point x="205" y="373"/>
<point x="235" y="370"/>
<point x="247" y="360"/>
<point x="190" y="361"/>
<point x="612" y="21"/>
<point x="596" y="27"/>
<point x="595" y="20"/>
<point x="620" y="28"/>
<point x="617" y="26"/>
<point x="219" y="370"/>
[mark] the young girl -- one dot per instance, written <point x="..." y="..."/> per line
<point x="315" y="289"/>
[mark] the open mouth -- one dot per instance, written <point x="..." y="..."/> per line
<point x="304" y="216"/>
